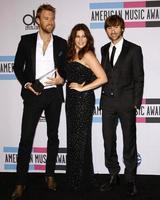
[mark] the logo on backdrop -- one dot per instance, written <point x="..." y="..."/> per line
<point x="29" y="20"/>
<point x="139" y="159"/>
<point x="149" y="112"/>
<point x="6" y="68"/>
<point x="136" y="14"/>
<point x="37" y="160"/>
<point x="97" y="115"/>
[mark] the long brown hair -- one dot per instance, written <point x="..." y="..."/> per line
<point x="71" y="42"/>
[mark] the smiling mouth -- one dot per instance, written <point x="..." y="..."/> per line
<point x="81" y="44"/>
<point x="114" y="35"/>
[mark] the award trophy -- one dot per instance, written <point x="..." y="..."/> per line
<point x="39" y="84"/>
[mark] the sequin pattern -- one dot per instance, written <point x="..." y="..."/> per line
<point x="79" y="112"/>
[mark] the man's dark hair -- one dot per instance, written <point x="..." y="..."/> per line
<point x="114" y="20"/>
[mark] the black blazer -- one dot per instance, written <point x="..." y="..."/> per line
<point x="126" y="78"/>
<point x="25" y="61"/>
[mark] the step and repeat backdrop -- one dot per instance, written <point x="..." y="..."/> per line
<point x="142" y="20"/>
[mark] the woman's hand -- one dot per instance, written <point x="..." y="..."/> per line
<point x="76" y="86"/>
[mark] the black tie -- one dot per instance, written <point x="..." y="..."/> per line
<point x="112" y="55"/>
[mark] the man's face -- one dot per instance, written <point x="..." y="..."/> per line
<point x="46" y="21"/>
<point x="114" y="33"/>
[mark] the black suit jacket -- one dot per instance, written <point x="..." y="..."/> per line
<point x="25" y="61"/>
<point x="126" y="78"/>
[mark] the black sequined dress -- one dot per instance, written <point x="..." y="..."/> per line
<point x="79" y="112"/>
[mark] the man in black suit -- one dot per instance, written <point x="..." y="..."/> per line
<point x="121" y="96"/>
<point x="38" y="54"/>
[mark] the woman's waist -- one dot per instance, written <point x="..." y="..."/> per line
<point x="72" y="91"/>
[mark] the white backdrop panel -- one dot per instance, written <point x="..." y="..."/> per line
<point x="14" y="17"/>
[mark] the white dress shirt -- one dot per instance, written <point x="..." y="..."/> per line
<point x="118" y="50"/>
<point x="44" y="61"/>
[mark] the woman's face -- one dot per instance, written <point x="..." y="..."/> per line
<point x="80" y="40"/>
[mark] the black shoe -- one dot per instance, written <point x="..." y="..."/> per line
<point x="18" y="192"/>
<point x="114" y="180"/>
<point x="132" y="189"/>
<point x="51" y="183"/>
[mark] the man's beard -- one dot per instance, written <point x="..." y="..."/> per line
<point x="115" y="38"/>
<point x="46" y="30"/>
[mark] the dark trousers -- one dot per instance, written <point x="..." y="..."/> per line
<point x="114" y="110"/>
<point x="50" y="102"/>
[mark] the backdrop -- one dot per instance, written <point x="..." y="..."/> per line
<point x="142" y="20"/>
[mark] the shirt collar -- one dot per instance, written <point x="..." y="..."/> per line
<point x="39" y="39"/>
<point x="118" y="44"/>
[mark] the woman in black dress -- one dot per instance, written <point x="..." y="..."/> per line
<point x="83" y="73"/>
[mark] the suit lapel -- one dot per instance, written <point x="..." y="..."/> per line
<point x="122" y="55"/>
<point x="105" y="61"/>
<point x="55" y="50"/>
<point x="33" y="52"/>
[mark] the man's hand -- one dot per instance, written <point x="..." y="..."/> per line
<point x="28" y="86"/>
